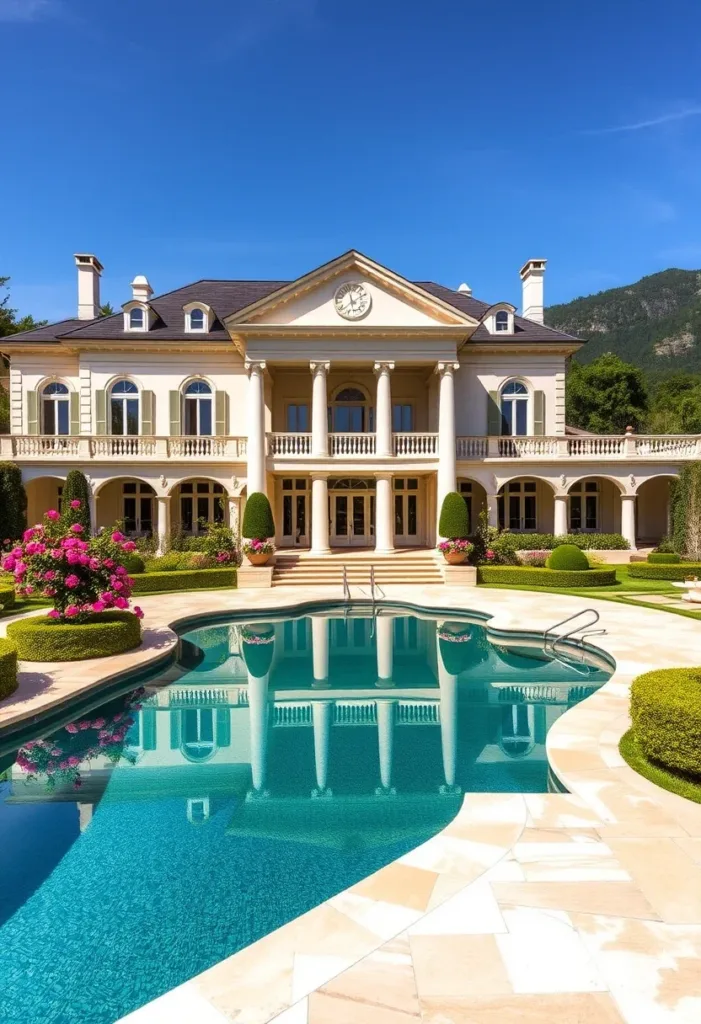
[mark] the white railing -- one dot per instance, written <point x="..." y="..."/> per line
<point x="359" y="712"/>
<point x="471" y="447"/>
<point x="597" y="446"/>
<point x="628" y="446"/>
<point x="415" y="444"/>
<point x="85" y="447"/>
<point x="289" y="445"/>
<point x="104" y="447"/>
<point x="39" y="446"/>
<point x="352" y="444"/>
<point x="680" y="447"/>
<point x="527" y="447"/>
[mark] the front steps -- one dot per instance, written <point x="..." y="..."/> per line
<point x="303" y="570"/>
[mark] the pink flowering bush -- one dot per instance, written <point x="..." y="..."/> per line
<point x="60" y="756"/>
<point x="455" y="546"/>
<point x="536" y="559"/>
<point x="80" y="575"/>
<point x="258" y="547"/>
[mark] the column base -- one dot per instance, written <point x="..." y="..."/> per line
<point x="319" y="552"/>
<point x="385" y="684"/>
<point x="381" y="791"/>
<point x="446" y="790"/>
<point x="257" y="794"/>
<point x="322" y="794"/>
<point x="385" y="551"/>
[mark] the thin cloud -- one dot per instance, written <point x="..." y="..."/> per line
<point x="27" y="10"/>
<point x="637" y="126"/>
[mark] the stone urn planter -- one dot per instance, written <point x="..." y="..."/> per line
<point x="258" y="559"/>
<point x="455" y="557"/>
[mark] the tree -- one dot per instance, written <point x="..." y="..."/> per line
<point x="606" y="396"/>
<point x="685" y="503"/>
<point x="676" y="405"/>
<point x="106" y="309"/>
<point x="9" y="324"/>
<point x="13" y="502"/>
<point x="454" y="521"/>
<point x="258" y="523"/>
<point x="76" y="489"/>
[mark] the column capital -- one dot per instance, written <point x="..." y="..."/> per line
<point x="255" y="366"/>
<point x="319" y="367"/>
<point x="383" y="366"/>
<point x="628" y="497"/>
<point x="318" y="476"/>
<point x="443" y="368"/>
<point x="163" y="497"/>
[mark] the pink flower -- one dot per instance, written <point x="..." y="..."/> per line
<point x="75" y="503"/>
<point x="121" y="602"/>
<point x="72" y="581"/>
<point x="106" y="597"/>
<point x="69" y="542"/>
<point x="118" y="585"/>
<point x="72" y="610"/>
<point x="28" y="534"/>
<point x="489" y="554"/>
<point x="84" y="725"/>
<point x="73" y="558"/>
<point x="53" y="515"/>
<point x="56" y="553"/>
<point x="94" y="563"/>
<point x="117" y="536"/>
<point x="29" y="590"/>
<point x="76" y="527"/>
<point x="21" y="568"/>
<point x="53" y="614"/>
<point x="49" y="574"/>
<point x="49" y="591"/>
<point x="9" y="564"/>
<point x="72" y="728"/>
<point x="115" y="718"/>
<point x="99" y="723"/>
<point x="56" y="752"/>
<point x="73" y="761"/>
<point x="139" y="614"/>
<point x="98" y="606"/>
<point x="120" y="570"/>
<point x="129" y="546"/>
<point x="17" y="552"/>
<point x="84" y="559"/>
<point x="108" y="563"/>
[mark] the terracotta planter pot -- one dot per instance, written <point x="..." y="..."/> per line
<point x="258" y="559"/>
<point x="455" y="557"/>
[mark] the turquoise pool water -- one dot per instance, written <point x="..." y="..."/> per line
<point x="275" y="764"/>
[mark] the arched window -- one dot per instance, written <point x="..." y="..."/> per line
<point x="517" y="730"/>
<point x="197" y="322"/>
<point x="56" y="416"/>
<point x="514" y="409"/>
<point x="136" y="319"/>
<point x="517" y="504"/>
<point x="501" y="321"/>
<point x="124" y="408"/>
<point x="198" y="733"/>
<point x="198" y="409"/>
<point x="350" y="412"/>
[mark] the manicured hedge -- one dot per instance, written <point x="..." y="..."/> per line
<point x="454" y="521"/>
<point x="39" y="638"/>
<point x="8" y="668"/>
<point x="663" y="558"/>
<point x="568" y="557"/>
<point x="665" y="706"/>
<point x="183" y="579"/>
<point x="585" y="541"/>
<point x="133" y="562"/>
<point x="258" y="523"/>
<point x="678" y="573"/>
<point x="7" y="598"/>
<point x="525" y="575"/>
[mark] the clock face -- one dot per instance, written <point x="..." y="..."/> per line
<point x="352" y="301"/>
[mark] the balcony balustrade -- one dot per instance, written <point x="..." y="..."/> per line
<point x="84" y="447"/>
<point x="629" y="446"/>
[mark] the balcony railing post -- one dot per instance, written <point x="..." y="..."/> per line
<point x="493" y="447"/>
<point x="84" y="447"/>
<point x="629" y="443"/>
<point x="563" y="447"/>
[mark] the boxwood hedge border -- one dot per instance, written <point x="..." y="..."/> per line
<point x="674" y="572"/>
<point x="523" y="575"/>
<point x="183" y="579"/>
<point x="7" y="598"/>
<point x="8" y="668"/>
<point x="665" y="707"/>
<point x="39" y="638"/>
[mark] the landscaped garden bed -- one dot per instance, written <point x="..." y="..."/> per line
<point x="8" y="668"/>
<point x="184" y="579"/>
<point x="39" y="638"/>
<point x="678" y="571"/>
<point x="522" y="575"/>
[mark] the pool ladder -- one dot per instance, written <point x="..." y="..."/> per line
<point x="583" y="629"/>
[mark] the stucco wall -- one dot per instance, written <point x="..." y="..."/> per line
<point x="481" y="373"/>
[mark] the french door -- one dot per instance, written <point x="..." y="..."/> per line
<point x="406" y="511"/>
<point x="352" y="519"/>
<point x="295" y="513"/>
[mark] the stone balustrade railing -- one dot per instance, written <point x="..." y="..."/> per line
<point x="357" y="712"/>
<point x="628" y="446"/>
<point x="352" y="445"/>
<point x="83" y="447"/>
<point x="415" y="445"/>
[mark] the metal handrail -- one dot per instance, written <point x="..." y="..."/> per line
<point x="583" y="628"/>
<point x="346" y="587"/>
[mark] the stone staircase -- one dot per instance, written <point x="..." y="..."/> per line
<point x="303" y="570"/>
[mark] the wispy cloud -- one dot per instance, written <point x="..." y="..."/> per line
<point x="28" y="10"/>
<point x="652" y="122"/>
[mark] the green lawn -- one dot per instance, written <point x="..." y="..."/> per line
<point x="663" y="777"/>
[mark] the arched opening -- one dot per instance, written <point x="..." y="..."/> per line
<point x="55" y="409"/>
<point x="594" y="506"/>
<point x="350" y="411"/>
<point x="526" y="505"/>
<point x="124" y="409"/>
<point x="653" y="510"/>
<point x="517" y="730"/>
<point x="514" y="396"/>
<point x="128" y="501"/>
<point x="475" y="498"/>
<point x="196" y="503"/>
<point x="43" y="493"/>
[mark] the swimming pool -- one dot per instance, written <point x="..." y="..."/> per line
<point x="279" y="761"/>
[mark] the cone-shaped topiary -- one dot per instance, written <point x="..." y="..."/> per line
<point x="568" y="557"/>
<point x="76" y="489"/>
<point x="454" y="522"/>
<point x="258" y="523"/>
<point x="13" y="502"/>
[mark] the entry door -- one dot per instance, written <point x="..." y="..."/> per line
<point x="406" y="511"/>
<point x="295" y="515"/>
<point x="352" y="519"/>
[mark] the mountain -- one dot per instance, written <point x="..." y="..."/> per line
<point x="654" y="323"/>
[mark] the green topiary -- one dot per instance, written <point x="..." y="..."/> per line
<point x="523" y="575"/>
<point x="39" y="638"/>
<point x="132" y="562"/>
<point x="7" y="597"/>
<point x="663" y="558"/>
<point x="454" y="521"/>
<point x="184" y="579"/>
<point x="676" y="572"/>
<point x="258" y="522"/>
<point x="568" y="558"/>
<point x="665" y="707"/>
<point x="258" y="647"/>
<point x="76" y="489"/>
<point x="8" y="668"/>
<point x="13" y="502"/>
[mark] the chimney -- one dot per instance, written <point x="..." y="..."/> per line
<point x="89" y="270"/>
<point x="141" y="289"/>
<point x="465" y="288"/>
<point x="532" y="274"/>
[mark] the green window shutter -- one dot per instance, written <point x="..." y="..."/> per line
<point x="75" y="413"/>
<point x="100" y="412"/>
<point x="174" y="399"/>
<point x="147" y="410"/>
<point x="148" y="728"/>
<point x="32" y="412"/>
<point x="538" y="412"/>
<point x="221" y="410"/>
<point x="223" y="728"/>
<point x="175" y="731"/>
<point x="493" y="414"/>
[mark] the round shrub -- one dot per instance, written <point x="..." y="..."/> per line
<point x="663" y="558"/>
<point x="569" y="558"/>
<point x="133" y="562"/>
<point x="454" y="521"/>
<point x="676" y="572"/>
<point x="7" y="598"/>
<point x="8" y="668"/>
<point x="258" y="648"/>
<point x="40" y="638"/>
<point x="13" y="502"/>
<point x="76" y="488"/>
<point x="665" y="707"/>
<point x="258" y="522"/>
<point x="525" y="575"/>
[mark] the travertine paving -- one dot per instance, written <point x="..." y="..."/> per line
<point x="582" y="907"/>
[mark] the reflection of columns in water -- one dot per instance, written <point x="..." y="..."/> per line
<point x="448" y="687"/>
<point x="258" y="724"/>
<point x="84" y="815"/>
<point x="322" y="718"/>
<point x="384" y="632"/>
<point x="320" y="650"/>
<point x="386" y="717"/>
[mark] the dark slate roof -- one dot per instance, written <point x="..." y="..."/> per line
<point x="227" y="297"/>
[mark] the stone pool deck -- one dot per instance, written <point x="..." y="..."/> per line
<point x="583" y="907"/>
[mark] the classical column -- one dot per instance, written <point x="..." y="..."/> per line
<point x="384" y="632"/>
<point x="320" y="515"/>
<point x="386" y="717"/>
<point x="163" y="522"/>
<point x="234" y="514"/>
<point x="322" y="720"/>
<point x="446" y="431"/>
<point x="384" y="531"/>
<point x="256" y="427"/>
<point x="628" y="518"/>
<point x="448" y="687"/>
<point x="320" y="651"/>
<point x="92" y="504"/>
<point x="560" y="526"/>
<point x="383" y="410"/>
<point x="320" y="417"/>
<point x="258" y="725"/>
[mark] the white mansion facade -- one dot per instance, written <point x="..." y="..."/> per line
<point x="354" y="398"/>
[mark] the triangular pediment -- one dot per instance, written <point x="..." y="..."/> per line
<point x="313" y="301"/>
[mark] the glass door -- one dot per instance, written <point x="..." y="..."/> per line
<point x="352" y="519"/>
<point x="295" y="513"/>
<point x="406" y="511"/>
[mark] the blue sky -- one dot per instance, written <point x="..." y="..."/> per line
<point x="451" y="141"/>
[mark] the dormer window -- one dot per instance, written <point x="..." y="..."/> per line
<point x="501" y="321"/>
<point x="197" y="320"/>
<point x="136" y="319"/>
<point x="198" y="317"/>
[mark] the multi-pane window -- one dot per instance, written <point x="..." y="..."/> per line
<point x="197" y="321"/>
<point x="465" y="488"/>
<point x="137" y="508"/>
<point x="402" y="418"/>
<point x="514" y="409"/>
<point x="584" y="506"/>
<point x="198" y="409"/>
<point x="294" y="508"/>
<point x="124" y="408"/>
<point x="201" y="502"/>
<point x="501" y="320"/>
<point x="56" y="409"/>
<point x="350" y="412"/>
<point x="517" y="503"/>
<point x="136" y="319"/>
<point x="298" y="419"/>
<point x="406" y="506"/>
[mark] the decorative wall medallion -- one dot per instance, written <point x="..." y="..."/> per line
<point x="352" y="300"/>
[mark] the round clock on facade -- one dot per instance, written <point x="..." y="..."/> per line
<point x="352" y="300"/>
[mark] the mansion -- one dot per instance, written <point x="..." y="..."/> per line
<point x="354" y="398"/>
